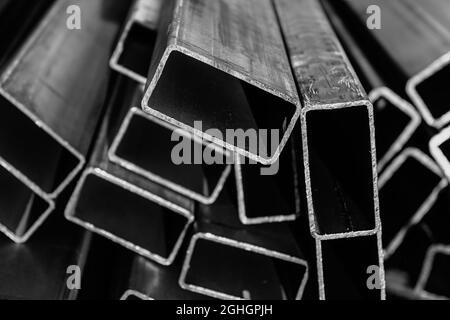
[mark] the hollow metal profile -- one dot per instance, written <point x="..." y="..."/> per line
<point x="337" y="123"/>
<point x="199" y="181"/>
<point x="433" y="280"/>
<point x="22" y="209"/>
<point x="268" y="194"/>
<point x="403" y="204"/>
<point x="396" y="119"/>
<point x="281" y="272"/>
<point x="45" y="119"/>
<point x="415" y="35"/>
<point x="150" y="281"/>
<point x="126" y="208"/>
<point x="132" y="55"/>
<point x="221" y="72"/>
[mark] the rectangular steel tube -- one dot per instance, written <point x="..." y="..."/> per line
<point x="40" y="93"/>
<point x="221" y="72"/>
<point x="337" y="120"/>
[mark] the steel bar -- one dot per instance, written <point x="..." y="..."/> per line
<point x="37" y="270"/>
<point x="44" y="118"/>
<point x="403" y="203"/>
<point x="396" y="120"/>
<point x="197" y="180"/>
<point x="22" y="209"/>
<point x="337" y="120"/>
<point x="133" y="52"/>
<point x="124" y="207"/>
<point x="281" y="273"/>
<point x="415" y="36"/>
<point x="268" y="194"/>
<point x="150" y="281"/>
<point x="434" y="277"/>
<point x="221" y="72"/>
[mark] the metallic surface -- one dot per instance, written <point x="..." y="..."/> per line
<point x="395" y="190"/>
<point x="44" y="116"/>
<point x="130" y="149"/>
<point x="127" y="208"/>
<point x="237" y="252"/>
<point x="137" y="39"/>
<point x="396" y="120"/>
<point x="415" y="35"/>
<point x="337" y="123"/>
<point x="268" y="194"/>
<point x="223" y="63"/>
<point x="37" y="270"/>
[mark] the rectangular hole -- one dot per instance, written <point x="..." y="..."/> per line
<point x="390" y="123"/>
<point x="20" y="207"/>
<point x="138" y="49"/>
<point x="273" y="193"/>
<point x="233" y="271"/>
<point x="31" y="150"/>
<point x="149" y="146"/>
<point x="129" y="216"/>
<point x="340" y="164"/>
<point x="435" y="92"/>
<point x="345" y="265"/>
<point x="400" y="198"/>
<point x="189" y="90"/>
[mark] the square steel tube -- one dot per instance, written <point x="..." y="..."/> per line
<point x="224" y="64"/>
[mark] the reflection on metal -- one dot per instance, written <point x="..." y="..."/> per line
<point x="433" y="280"/>
<point x="130" y="149"/>
<point x="337" y="124"/>
<point x="404" y="204"/>
<point x="396" y="120"/>
<point x="415" y="35"/>
<point x="281" y="272"/>
<point x="125" y="207"/>
<point x="133" y="52"/>
<point x="439" y="149"/>
<point x="150" y="281"/>
<point x="224" y="63"/>
<point x="22" y="209"/>
<point x="45" y="120"/>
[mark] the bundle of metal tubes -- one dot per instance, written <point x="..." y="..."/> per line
<point x="224" y="149"/>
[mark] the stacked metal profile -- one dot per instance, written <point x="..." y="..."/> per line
<point x="92" y="118"/>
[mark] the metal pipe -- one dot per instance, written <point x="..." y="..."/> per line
<point x="38" y="270"/>
<point x="281" y="272"/>
<point x="402" y="203"/>
<point x="133" y="52"/>
<point x="337" y="124"/>
<point x="221" y="71"/>
<point x="415" y="36"/>
<point x="124" y="207"/>
<point x="22" y="209"/>
<point x="42" y="107"/>
<point x="439" y="149"/>
<point x="199" y="181"/>
<point x="268" y="194"/>
<point x="396" y="120"/>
